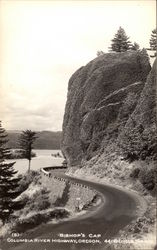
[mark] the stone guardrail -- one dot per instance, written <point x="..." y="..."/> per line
<point x="50" y="176"/>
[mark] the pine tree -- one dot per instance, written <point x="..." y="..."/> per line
<point x="153" y="42"/>
<point x="100" y="53"/>
<point x="135" y="46"/>
<point x="26" y="141"/>
<point x="120" y="43"/>
<point x="8" y="183"/>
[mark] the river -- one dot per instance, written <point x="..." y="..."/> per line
<point x="43" y="159"/>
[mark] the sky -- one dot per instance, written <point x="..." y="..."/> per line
<point x="42" y="43"/>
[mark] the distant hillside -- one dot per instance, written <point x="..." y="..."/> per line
<point x="45" y="140"/>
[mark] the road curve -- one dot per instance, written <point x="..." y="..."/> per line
<point x="118" y="209"/>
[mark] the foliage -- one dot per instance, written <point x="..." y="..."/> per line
<point x="8" y="181"/>
<point x="39" y="201"/>
<point x="148" y="177"/>
<point x="135" y="173"/>
<point x="26" y="140"/>
<point x="145" y="55"/>
<point x="35" y="200"/>
<point x="19" y="154"/>
<point x="135" y="46"/>
<point x="100" y="53"/>
<point x="120" y="43"/>
<point x="139" y="143"/>
<point x="141" y="225"/>
<point x="27" y="179"/>
<point x="128" y="106"/>
<point x="36" y="219"/>
<point x="153" y="42"/>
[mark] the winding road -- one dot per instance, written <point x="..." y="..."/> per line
<point x="101" y="224"/>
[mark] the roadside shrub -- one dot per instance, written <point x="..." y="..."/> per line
<point x="59" y="213"/>
<point x="91" y="202"/>
<point x="25" y="199"/>
<point x="27" y="179"/>
<point x="135" y="172"/>
<point x="35" y="220"/>
<point x="39" y="201"/>
<point x="148" y="178"/>
<point x="39" y="204"/>
<point x="142" y="224"/>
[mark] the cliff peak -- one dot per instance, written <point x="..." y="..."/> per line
<point x="101" y="98"/>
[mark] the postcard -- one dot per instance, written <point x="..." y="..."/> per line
<point x="78" y="136"/>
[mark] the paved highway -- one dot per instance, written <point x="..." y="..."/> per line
<point x="102" y="223"/>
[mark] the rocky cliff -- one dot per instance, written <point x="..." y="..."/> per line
<point x="138" y="140"/>
<point x="104" y="100"/>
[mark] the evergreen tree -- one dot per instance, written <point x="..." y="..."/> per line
<point x="135" y="46"/>
<point x="153" y="42"/>
<point x="26" y="141"/>
<point x="145" y="55"/>
<point x="100" y="53"/>
<point x="120" y="43"/>
<point x="8" y="183"/>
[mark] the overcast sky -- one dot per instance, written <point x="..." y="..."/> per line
<point x="42" y="43"/>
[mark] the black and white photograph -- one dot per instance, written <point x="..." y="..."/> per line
<point x="78" y="125"/>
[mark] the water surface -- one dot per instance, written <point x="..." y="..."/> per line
<point x="43" y="159"/>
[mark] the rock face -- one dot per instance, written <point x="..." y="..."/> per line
<point x="139" y="135"/>
<point x="101" y="97"/>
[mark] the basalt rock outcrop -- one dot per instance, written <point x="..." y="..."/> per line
<point x="103" y="99"/>
<point x="138" y="139"/>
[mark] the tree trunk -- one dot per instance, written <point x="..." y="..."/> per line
<point x="29" y="166"/>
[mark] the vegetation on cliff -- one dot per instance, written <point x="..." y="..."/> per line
<point x="138" y="140"/>
<point x="120" y="42"/>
